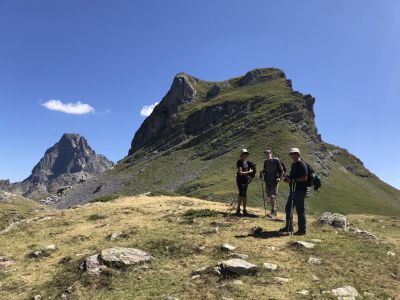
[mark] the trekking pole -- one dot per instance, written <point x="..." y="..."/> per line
<point x="290" y="223"/>
<point x="263" y="195"/>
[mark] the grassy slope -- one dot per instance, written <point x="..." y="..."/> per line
<point x="214" y="179"/>
<point x="159" y="226"/>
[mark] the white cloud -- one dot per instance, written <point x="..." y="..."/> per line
<point x="147" y="109"/>
<point x="77" y="108"/>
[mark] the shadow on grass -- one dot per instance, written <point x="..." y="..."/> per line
<point x="261" y="235"/>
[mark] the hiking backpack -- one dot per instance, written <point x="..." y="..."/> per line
<point x="313" y="180"/>
<point x="253" y="167"/>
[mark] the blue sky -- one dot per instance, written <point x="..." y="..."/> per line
<point x="118" y="56"/>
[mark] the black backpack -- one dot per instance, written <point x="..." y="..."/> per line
<point x="313" y="180"/>
<point x="253" y="167"/>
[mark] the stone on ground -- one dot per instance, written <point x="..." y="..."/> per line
<point x="93" y="265"/>
<point x="238" y="282"/>
<point x="363" y="234"/>
<point x="303" y="292"/>
<point x="227" y="247"/>
<point x="237" y="266"/>
<point x="281" y="280"/>
<point x="391" y="253"/>
<point x="6" y="261"/>
<point x="315" y="278"/>
<point x="335" y="220"/>
<point x="345" y="291"/>
<point x="120" y="257"/>
<point x="304" y="245"/>
<point x="270" y="267"/>
<point x="314" y="260"/>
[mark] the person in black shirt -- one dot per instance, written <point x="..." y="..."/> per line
<point x="242" y="179"/>
<point x="298" y="191"/>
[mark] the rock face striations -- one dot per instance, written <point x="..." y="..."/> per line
<point x="69" y="161"/>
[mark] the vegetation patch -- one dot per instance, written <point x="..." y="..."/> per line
<point x="106" y="198"/>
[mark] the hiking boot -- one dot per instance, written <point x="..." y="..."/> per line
<point x="300" y="232"/>
<point x="245" y="213"/>
<point x="238" y="212"/>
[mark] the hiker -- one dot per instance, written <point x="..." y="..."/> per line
<point x="298" y="191"/>
<point x="272" y="173"/>
<point x="244" y="171"/>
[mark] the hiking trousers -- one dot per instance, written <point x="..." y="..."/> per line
<point x="298" y="202"/>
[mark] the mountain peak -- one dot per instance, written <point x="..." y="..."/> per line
<point x="261" y="74"/>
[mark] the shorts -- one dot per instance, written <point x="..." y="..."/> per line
<point x="242" y="186"/>
<point x="271" y="188"/>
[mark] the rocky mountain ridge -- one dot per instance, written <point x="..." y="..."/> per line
<point x="69" y="161"/>
<point x="190" y="143"/>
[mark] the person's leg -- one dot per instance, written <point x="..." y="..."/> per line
<point x="240" y="197"/>
<point x="289" y="216"/>
<point x="244" y="199"/>
<point x="300" y="209"/>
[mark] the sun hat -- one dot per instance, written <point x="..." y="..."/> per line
<point x="294" y="150"/>
<point x="244" y="151"/>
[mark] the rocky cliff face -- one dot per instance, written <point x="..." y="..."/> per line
<point x="69" y="161"/>
<point x="190" y="143"/>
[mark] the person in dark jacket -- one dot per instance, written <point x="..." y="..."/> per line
<point x="272" y="174"/>
<point x="298" y="191"/>
<point x="242" y="179"/>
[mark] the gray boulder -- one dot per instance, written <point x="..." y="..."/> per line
<point x="304" y="245"/>
<point x="345" y="291"/>
<point x="121" y="257"/>
<point x="237" y="266"/>
<point x="6" y="261"/>
<point x="335" y="220"/>
<point x="93" y="265"/>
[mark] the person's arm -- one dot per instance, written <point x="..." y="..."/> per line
<point x="281" y="172"/>
<point x="241" y="172"/>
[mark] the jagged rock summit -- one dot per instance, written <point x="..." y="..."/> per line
<point x="69" y="161"/>
<point x="190" y="143"/>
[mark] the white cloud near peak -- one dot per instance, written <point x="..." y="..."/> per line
<point x="147" y="109"/>
<point x="77" y="108"/>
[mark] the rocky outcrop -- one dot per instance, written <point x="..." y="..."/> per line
<point x="69" y="161"/>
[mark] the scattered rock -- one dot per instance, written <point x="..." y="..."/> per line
<point x="238" y="282"/>
<point x="6" y="261"/>
<point x="281" y="280"/>
<point x="272" y="248"/>
<point x="93" y="265"/>
<point x="315" y="278"/>
<point x="335" y="220"/>
<point x="200" y="271"/>
<point x="345" y="291"/>
<point x="117" y="235"/>
<point x="227" y="247"/>
<point x="317" y="241"/>
<point x="226" y="298"/>
<point x="237" y="266"/>
<point x="170" y="298"/>
<point x="239" y="255"/>
<point x="44" y="252"/>
<point x="391" y="253"/>
<point x="304" y="292"/>
<point x="196" y="276"/>
<point x="37" y="297"/>
<point x="368" y="294"/>
<point x="304" y="245"/>
<point x="314" y="260"/>
<point x="270" y="267"/>
<point x="120" y="257"/>
<point x="363" y="234"/>
<point x="256" y="231"/>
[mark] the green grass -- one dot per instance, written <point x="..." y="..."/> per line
<point x="181" y="248"/>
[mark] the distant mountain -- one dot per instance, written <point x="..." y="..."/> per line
<point x="190" y="143"/>
<point x="69" y="161"/>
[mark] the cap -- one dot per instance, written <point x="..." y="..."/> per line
<point x="294" y="150"/>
